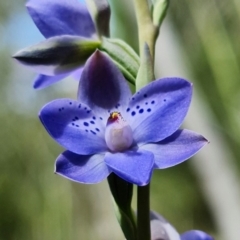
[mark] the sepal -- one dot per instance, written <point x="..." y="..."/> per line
<point x="57" y="55"/>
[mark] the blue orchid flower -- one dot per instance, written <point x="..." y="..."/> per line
<point x="162" y="229"/>
<point x="108" y="130"/>
<point x="61" y="19"/>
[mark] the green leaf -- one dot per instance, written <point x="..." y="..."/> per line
<point x="100" y="12"/>
<point x="123" y="56"/>
<point x="122" y="192"/>
<point x="57" y="55"/>
<point x="146" y="71"/>
<point x="127" y="223"/>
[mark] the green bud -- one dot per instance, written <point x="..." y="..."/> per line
<point x="123" y="56"/>
<point x="57" y="55"/>
<point x="100" y="12"/>
<point x="160" y="8"/>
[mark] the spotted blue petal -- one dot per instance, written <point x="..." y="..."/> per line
<point x="74" y="126"/>
<point x="158" y="109"/>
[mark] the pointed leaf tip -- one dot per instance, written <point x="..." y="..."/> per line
<point x="159" y="11"/>
<point x="145" y="73"/>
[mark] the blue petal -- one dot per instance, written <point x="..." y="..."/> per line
<point x="133" y="166"/>
<point x="77" y="74"/>
<point x="175" y="149"/>
<point x="158" y="110"/>
<point x="102" y="85"/>
<point x="74" y="126"/>
<point x="195" y="235"/>
<point x="83" y="169"/>
<point x="43" y="81"/>
<point x="59" y="17"/>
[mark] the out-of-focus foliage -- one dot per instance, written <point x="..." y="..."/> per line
<point x="207" y="31"/>
<point x="210" y="30"/>
<point x="36" y="204"/>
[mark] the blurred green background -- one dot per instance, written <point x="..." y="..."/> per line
<point x="202" y="38"/>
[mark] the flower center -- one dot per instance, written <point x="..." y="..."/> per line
<point x="118" y="134"/>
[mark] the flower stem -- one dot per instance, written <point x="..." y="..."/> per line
<point x="147" y="32"/>
<point x="143" y="213"/>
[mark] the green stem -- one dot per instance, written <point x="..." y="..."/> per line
<point x="143" y="213"/>
<point x="147" y="32"/>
